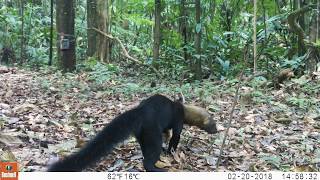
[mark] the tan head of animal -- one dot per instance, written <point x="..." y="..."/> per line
<point x="197" y="116"/>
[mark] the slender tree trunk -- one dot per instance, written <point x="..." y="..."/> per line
<point x="107" y="50"/>
<point x="183" y="28"/>
<point x="22" y="57"/>
<point x="156" y="33"/>
<point x="198" y="71"/>
<point x="301" y="18"/>
<point x="315" y="25"/>
<point x="255" y="37"/>
<point x="65" y="28"/>
<point x="98" y="45"/>
<point x="51" y="34"/>
<point x="264" y="23"/>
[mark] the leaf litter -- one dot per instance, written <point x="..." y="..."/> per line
<point x="45" y="115"/>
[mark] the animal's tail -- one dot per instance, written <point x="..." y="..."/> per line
<point x="116" y="131"/>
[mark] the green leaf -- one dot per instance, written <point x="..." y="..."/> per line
<point x="198" y="28"/>
<point x="228" y="33"/>
<point x="271" y="159"/>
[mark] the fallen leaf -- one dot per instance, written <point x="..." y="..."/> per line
<point x="163" y="162"/>
<point x="24" y="108"/>
<point x="7" y="156"/>
<point x="212" y="161"/>
<point x="4" y="106"/>
<point x="303" y="168"/>
<point x="9" y="140"/>
<point x="283" y="120"/>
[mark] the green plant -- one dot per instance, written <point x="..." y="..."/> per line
<point x="301" y="102"/>
<point x="101" y="73"/>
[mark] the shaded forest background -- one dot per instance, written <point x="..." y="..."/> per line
<point x="183" y="40"/>
<point x="72" y="66"/>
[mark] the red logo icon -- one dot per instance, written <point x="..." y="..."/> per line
<point x="9" y="171"/>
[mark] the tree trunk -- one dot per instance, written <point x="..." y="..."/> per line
<point x="37" y="2"/>
<point x="198" y="72"/>
<point x="315" y="26"/>
<point x="296" y="28"/>
<point x="65" y="28"/>
<point x="314" y="52"/>
<point x="51" y="34"/>
<point x="156" y="33"/>
<point x="98" y="45"/>
<point x="301" y="18"/>
<point x="22" y="48"/>
<point x="183" y="28"/>
<point x="254" y="36"/>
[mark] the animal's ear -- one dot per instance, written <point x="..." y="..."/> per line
<point x="180" y="98"/>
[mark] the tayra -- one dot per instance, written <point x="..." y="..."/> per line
<point x="146" y="122"/>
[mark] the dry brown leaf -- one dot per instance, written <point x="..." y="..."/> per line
<point x="212" y="161"/>
<point x="7" y="156"/>
<point x="4" y="69"/>
<point x="9" y="93"/>
<point x="309" y="120"/>
<point x="232" y="132"/>
<point x="304" y="168"/>
<point x="179" y="157"/>
<point x="9" y="139"/>
<point x="26" y="107"/>
<point x="250" y="118"/>
<point x="56" y="123"/>
<point x="283" y="120"/>
<point x="4" y="106"/>
<point x="161" y="164"/>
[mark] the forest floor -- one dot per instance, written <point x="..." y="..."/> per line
<point x="44" y="114"/>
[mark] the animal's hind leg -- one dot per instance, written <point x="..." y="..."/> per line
<point x="151" y="145"/>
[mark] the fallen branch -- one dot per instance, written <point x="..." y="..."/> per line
<point x="125" y="52"/>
